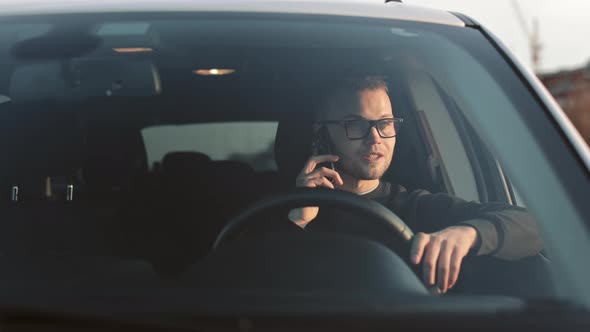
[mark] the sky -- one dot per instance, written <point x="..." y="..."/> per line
<point x="564" y="27"/>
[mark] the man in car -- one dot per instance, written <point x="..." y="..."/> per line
<point x="356" y="127"/>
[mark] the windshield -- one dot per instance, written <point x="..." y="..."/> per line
<point x="131" y="144"/>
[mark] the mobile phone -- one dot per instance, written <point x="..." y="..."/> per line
<point x="323" y="146"/>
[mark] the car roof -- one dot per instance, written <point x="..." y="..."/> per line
<point x="377" y="9"/>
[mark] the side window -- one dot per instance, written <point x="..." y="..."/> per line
<point x="519" y="199"/>
<point x="249" y="142"/>
<point x="511" y="190"/>
<point x="439" y="126"/>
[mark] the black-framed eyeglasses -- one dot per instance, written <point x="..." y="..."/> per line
<point x="360" y="128"/>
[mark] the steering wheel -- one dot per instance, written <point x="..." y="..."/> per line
<point x="377" y="214"/>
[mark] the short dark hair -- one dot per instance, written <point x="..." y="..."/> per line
<point x="348" y="88"/>
<point x="365" y="83"/>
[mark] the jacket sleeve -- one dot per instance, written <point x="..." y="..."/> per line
<point x="504" y="231"/>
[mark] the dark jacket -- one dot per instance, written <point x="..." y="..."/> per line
<point x="506" y="232"/>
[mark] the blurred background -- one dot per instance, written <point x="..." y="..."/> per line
<point x="547" y="36"/>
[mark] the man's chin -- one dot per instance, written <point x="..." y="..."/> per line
<point x="364" y="172"/>
<point x="371" y="177"/>
<point x="371" y="174"/>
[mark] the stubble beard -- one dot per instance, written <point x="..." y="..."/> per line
<point x="362" y="173"/>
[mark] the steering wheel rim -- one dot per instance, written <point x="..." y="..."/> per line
<point x="316" y="197"/>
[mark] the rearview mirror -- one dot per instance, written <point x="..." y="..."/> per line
<point x="82" y="78"/>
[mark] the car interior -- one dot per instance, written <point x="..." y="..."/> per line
<point x="105" y="183"/>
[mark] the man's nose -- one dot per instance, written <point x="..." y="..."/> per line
<point x="373" y="137"/>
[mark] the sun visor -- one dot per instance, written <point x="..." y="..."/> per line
<point x="81" y="78"/>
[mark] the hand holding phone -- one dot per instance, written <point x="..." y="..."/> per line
<point x="314" y="175"/>
<point x="319" y="171"/>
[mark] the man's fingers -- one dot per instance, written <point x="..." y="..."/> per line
<point x="315" y="160"/>
<point x="317" y="182"/>
<point x="429" y="262"/>
<point x="443" y="266"/>
<point x="329" y="173"/>
<point x="455" y="268"/>
<point x="324" y="158"/>
<point x="420" y="241"/>
<point x="332" y="174"/>
<point x="443" y="255"/>
<point x="327" y="183"/>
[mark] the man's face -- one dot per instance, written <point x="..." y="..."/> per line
<point x="370" y="157"/>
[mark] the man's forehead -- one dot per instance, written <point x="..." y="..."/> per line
<point x="373" y="103"/>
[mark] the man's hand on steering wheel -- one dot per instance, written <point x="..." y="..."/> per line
<point x="441" y="254"/>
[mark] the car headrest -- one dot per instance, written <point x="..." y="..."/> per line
<point x="227" y="173"/>
<point x="115" y="156"/>
<point x="293" y="144"/>
<point x="184" y="161"/>
<point x="232" y="167"/>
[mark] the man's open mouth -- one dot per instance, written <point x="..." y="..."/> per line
<point x="374" y="156"/>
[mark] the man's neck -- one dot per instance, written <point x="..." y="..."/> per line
<point x="357" y="186"/>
